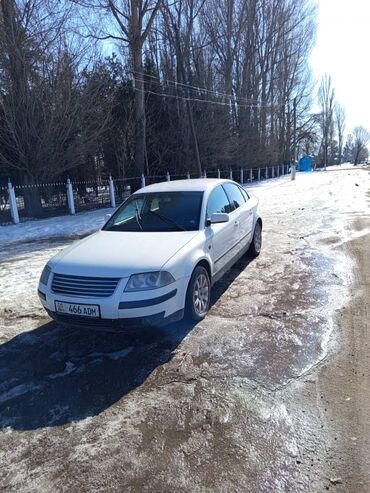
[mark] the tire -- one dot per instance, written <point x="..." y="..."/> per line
<point x="255" y="248"/>
<point x="198" y="295"/>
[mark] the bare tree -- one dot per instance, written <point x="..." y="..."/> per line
<point x="130" y="23"/>
<point x="361" y="138"/>
<point x="179" y="22"/>
<point x="326" y="100"/>
<point x="51" y="114"/>
<point x="340" y="123"/>
<point x="196" y="83"/>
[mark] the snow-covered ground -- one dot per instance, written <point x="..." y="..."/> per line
<point x="55" y="227"/>
<point x="26" y="247"/>
<point x="85" y="223"/>
<point x="217" y="406"/>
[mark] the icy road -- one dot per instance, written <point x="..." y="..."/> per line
<point x="270" y="393"/>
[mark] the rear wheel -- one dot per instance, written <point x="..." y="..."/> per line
<point x="255" y="248"/>
<point x="198" y="295"/>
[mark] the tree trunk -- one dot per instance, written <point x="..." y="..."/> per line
<point x="180" y="61"/>
<point x="140" y="120"/>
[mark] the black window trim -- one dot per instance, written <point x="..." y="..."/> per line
<point x="243" y="190"/>
<point x="227" y="195"/>
<point x="209" y="196"/>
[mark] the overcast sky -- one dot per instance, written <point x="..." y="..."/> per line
<point x="343" y="51"/>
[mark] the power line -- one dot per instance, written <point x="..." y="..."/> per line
<point x="199" y="89"/>
<point x="176" y="85"/>
<point x="176" y="96"/>
<point x="233" y="100"/>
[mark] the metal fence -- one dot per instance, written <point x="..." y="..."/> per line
<point x="89" y="195"/>
<point x="5" y="216"/>
<point x="27" y="202"/>
<point x="43" y="200"/>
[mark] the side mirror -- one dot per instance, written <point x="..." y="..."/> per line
<point x="107" y="217"/>
<point x="219" y="217"/>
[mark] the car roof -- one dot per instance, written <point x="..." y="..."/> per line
<point x="189" y="185"/>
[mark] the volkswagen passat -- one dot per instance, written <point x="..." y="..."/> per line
<point x="156" y="258"/>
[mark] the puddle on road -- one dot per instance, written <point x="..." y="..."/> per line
<point x="273" y="324"/>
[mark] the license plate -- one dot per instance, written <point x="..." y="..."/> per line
<point x="80" y="310"/>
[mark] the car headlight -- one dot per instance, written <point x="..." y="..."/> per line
<point x="149" y="280"/>
<point x="45" y="274"/>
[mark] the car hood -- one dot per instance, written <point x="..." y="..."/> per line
<point x="119" y="254"/>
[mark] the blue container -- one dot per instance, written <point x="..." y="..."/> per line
<point x="305" y="163"/>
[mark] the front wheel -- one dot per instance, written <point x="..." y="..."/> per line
<point x="198" y="295"/>
<point x="255" y="248"/>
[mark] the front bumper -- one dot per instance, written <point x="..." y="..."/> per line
<point x="155" y="307"/>
<point x="156" y="320"/>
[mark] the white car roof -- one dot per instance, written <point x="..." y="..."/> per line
<point x="192" y="185"/>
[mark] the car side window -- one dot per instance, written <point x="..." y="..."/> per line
<point x="235" y="195"/>
<point x="245" y="194"/>
<point x="217" y="202"/>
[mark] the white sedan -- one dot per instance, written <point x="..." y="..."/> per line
<point x="156" y="258"/>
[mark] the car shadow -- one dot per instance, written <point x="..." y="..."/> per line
<point x="51" y="376"/>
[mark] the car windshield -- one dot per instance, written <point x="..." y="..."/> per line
<point x="158" y="211"/>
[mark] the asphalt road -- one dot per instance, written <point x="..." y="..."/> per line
<point x="268" y="393"/>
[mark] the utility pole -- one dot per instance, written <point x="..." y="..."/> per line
<point x="294" y="137"/>
<point x="189" y="110"/>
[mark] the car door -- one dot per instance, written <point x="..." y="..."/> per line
<point x="250" y="208"/>
<point x="221" y="236"/>
<point x="242" y="214"/>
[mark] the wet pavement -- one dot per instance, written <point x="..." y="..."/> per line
<point x="230" y="404"/>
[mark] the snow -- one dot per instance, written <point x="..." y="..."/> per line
<point x="308" y="207"/>
<point x="80" y="224"/>
<point x="270" y="323"/>
<point x="85" y="223"/>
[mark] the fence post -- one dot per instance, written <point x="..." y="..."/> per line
<point x="142" y="180"/>
<point x="251" y="175"/>
<point x="111" y="192"/>
<point x="277" y="171"/>
<point x="218" y="173"/>
<point x="204" y="174"/>
<point x="13" y="203"/>
<point x="282" y="169"/>
<point x="70" y="198"/>
<point x="231" y="174"/>
<point x="188" y="175"/>
<point x="287" y="169"/>
<point x="272" y="172"/>
<point x="168" y="177"/>
<point x="267" y="172"/>
<point x="259" y="174"/>
<point x="241" y="176"/>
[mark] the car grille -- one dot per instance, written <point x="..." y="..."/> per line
<point x="92" y="287"/>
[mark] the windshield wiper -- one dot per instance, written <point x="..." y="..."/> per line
<point x="168" y="220"/>
<point x="138" y="216"/>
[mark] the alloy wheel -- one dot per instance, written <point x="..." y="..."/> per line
<point x="201" y="295"/>
<point x="257" y="238"/>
